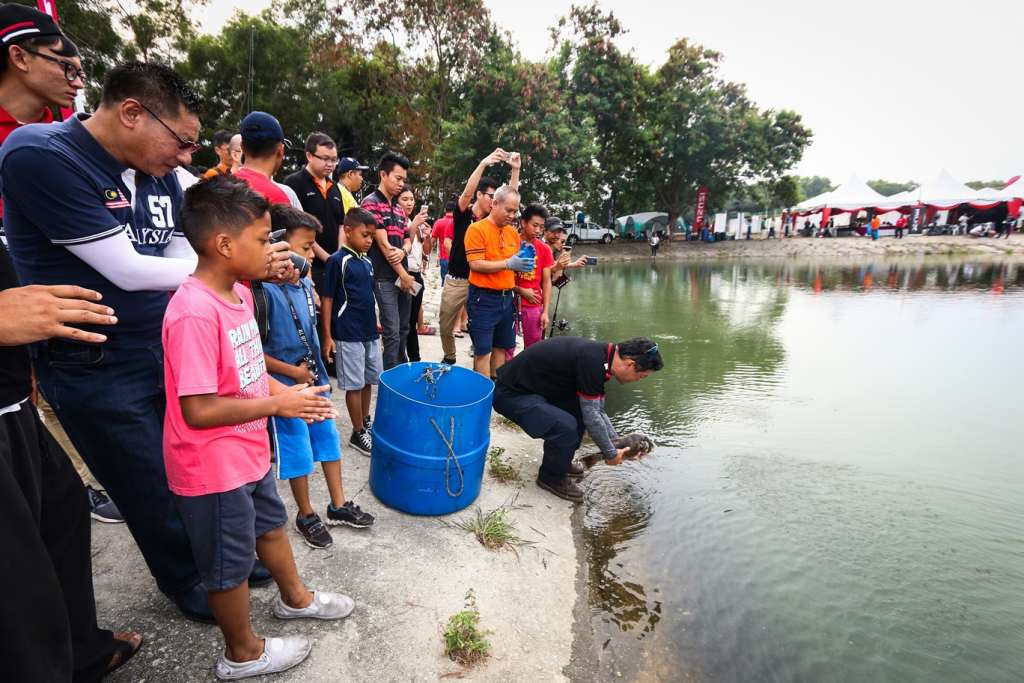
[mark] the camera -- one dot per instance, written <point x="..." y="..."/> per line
<point x="299" y="261"/>
<point x="311" y="365"/>
<point x="561" y="325"/>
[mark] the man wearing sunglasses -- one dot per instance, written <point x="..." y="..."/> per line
<point x="72" y="218"/>
<point x="554" y="390"/>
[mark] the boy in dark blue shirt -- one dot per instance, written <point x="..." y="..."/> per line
<point x="293" y="356"/>
<point x="350" y="323"/>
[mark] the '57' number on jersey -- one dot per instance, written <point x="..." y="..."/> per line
<point x="160" y="210"/>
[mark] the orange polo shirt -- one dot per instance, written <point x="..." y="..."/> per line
<point x="485" y="241"/>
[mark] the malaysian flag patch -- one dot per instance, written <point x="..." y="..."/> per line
<point x="113" y="199"/>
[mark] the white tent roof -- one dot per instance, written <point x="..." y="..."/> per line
<point x="853" y="194"/>
<point x="945" y="191"/>
<point x="988" y="193"/>
<point x="906" y="198"/>
<point x="815" y="202"/>
<point x="1013" y="191"/>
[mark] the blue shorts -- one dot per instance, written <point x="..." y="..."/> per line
<point x="491" y="319"/>
<point x="299" y="445"/>
<point x="223" y="527"/>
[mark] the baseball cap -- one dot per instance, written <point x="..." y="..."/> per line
<point x="554" y="224"/>
<point x="346" y="164"/>
<point x="259" y="126"/>
<point x="18" y="22"/>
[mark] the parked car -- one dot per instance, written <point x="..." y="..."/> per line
<point x="590" y="232"/>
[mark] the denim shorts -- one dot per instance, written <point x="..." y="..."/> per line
<point x="491" y="319"/>
<point x="223" y="528"/>
<point x="299" y="445"/>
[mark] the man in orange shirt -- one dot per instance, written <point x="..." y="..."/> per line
<point x="876" y="223"/>
<point x="492" y="245"/>
<point x="222" y="146"/>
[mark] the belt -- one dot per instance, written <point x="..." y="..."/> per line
<point x="449" y="276"/>
<point x="494" y="292"/>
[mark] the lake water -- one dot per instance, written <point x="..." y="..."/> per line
<point x="838" y="491"/>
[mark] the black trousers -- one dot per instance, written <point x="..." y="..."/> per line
<point x="48" y="628"/>
<point x="559" y="424"/>
<point x="412" y="340"/>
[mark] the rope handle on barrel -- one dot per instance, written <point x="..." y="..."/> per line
<point x="451" y="457"/>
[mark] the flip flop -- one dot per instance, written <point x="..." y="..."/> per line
<point x="427" y="330"/>
<point x="123" y="651"/>
<point x="459" y="334"/>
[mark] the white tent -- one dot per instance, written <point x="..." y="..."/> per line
<point x="945" y="192"/>
<point x="906" y="198"/>
<point x="1013" y="191"/>
<point x="815" y="202"/>
<point x="852" y="195"/>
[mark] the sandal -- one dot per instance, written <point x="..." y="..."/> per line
<point x="459" y="334"/>
<point x="126" y="645"/>
<point x="426" y="330"/>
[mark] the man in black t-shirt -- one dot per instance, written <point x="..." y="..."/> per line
<point x="474" y="203"/>
<point x="555" y="389"/>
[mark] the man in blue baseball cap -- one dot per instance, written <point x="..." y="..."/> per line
<point x="263" y="147"/>
<point x="350" y="180"/>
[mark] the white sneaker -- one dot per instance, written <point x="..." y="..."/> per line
<point x="279" y="654"/>
<point x="324" y="606"/>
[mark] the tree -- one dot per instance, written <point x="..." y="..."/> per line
<point x="705" y="131"/>
<point x="812" y="186"/>
<point x="889" y="188"/>
<point x="982" y="184"/>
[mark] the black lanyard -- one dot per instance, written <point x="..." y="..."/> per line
<point x="298" y="323"/>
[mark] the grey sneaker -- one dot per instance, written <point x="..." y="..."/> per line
<point x="324" y="606"/>
<point x="101" y="508"/>
<point x="313" y="531"/>
<point x="350" y="514"/>
<point x="279" y="654"/>
<point x="361" y="441"/>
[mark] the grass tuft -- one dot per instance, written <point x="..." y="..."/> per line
<point x="464" y="641"/>
<point x="493" y="529"/>
<point x="500" y="468"/>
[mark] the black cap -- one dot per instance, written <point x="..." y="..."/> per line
<point x="554" y="224"/>
<point x="18" y="22"/>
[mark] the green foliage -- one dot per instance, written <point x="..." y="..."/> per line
<point x="889" y="188"/>
<point x="464" y="641"/>
<point x="981" y="184"/>
<point x="493" y="529"/>
<point x="499" y="467"/>
<point x="812" y="186"/>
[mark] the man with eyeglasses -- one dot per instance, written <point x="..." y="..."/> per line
<point x="72" y="218"/>
<point x="554" y="390"/>
<point x="321" y="197"/>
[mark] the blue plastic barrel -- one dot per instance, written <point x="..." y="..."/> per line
<point x="411" y="467"/>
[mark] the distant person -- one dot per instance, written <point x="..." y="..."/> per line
<point x="320" y="196"/>
<point x="293" y="355"/>
<point x="350" y="323"/>
<point x="222" y="146"/>
<point x="771" y="229"/>
<point x="235" y="150"/>
<point x="750" y="227"/>
<point x="555" y="390"/>
<point x="901" y="224"/>
<point x="876" y="223"/>
<point x="654" y="242"/>
<point x="555" y="236"/>
<point x="443" y="233"/>
<point x="216" y="446"/>
<point x="393" y="284"/>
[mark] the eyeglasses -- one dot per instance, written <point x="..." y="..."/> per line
<point x="191" y="146"/>
<point x="330" y="161"/>
<point x="71" y="72"/>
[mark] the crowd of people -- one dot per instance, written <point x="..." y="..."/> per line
<point x="179" y="332"/>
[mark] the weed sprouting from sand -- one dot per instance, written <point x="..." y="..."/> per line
<point x="501" y="468"/>
<point x="464" y="641"/>
<point x="493" y="529"/>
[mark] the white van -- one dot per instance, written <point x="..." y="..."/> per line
<point x="590" y="232"/>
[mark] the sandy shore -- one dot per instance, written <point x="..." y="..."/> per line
<point x="407" y="575"/>
<point x="805" y="247"/>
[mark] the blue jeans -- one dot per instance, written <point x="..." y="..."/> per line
<point x="444" y="269"/>
<point x="111" y="404"/>
<point x="560" y="425"/>
<point x="394" y="306"/>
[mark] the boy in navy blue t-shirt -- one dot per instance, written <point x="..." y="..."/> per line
<point x="350" y="322"/>
<point x="293" y="356"/>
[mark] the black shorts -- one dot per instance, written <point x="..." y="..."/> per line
<point x="223" y="528"/>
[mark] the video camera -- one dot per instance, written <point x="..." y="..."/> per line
<point x="299" y="261"/>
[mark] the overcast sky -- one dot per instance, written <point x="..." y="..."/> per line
<point x="892" y="89"/>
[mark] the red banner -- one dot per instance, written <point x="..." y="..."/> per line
<point x="702" y="207"/>
<point x="48" y="7"/>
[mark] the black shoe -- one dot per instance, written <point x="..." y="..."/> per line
<point x="349" y="514"/>
<point x="566" y="489"/>
<point x="101" y="508"/>
<point x="575" y="471"/>
<point x="260" y="575"/>
<point x="194" y="605"/>
<point x="361" y="441"/>
<point x="367" y="422"/>
<point x="313" y="531"/>
<point x="448" y="360"/>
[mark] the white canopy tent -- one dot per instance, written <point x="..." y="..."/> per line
<point x="1012" y="191"/>
<point x="852" y="195"/>
<point x="945" y="192"/>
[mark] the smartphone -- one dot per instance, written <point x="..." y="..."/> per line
<point x="416" y="287"/>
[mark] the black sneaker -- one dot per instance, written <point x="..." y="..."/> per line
<point x="101" y="508"/>
<point x="367" y="422"/>
<point x="313" y="531"/>
<point x="349" y="514"/>
<point x="448" y="360"/>
<point x="361" y="441"/>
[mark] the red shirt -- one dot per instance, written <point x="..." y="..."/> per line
<point x="444" y="228"/>
<point x="8" y="124"/>
<point x="264" y="185"/>
<point x="534" y="280"/>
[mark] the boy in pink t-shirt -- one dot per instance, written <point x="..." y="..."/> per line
<point x="216" y="447"/>
<point x="534" y="287"/>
